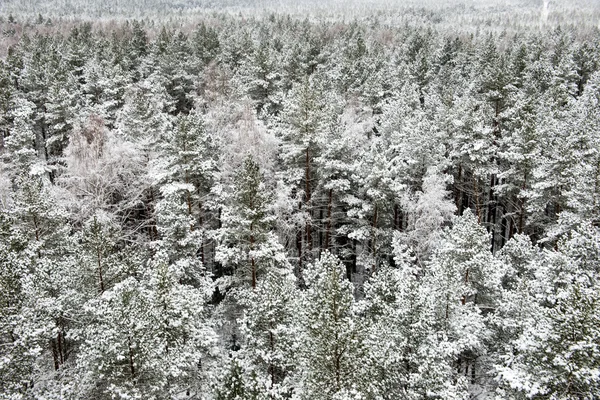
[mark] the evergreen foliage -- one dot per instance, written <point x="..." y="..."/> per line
<point x="378" y="202"/>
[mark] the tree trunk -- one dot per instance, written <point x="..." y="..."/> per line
<point x="2" y="136"/>
<point x="299" y="245"/>
<point x="272" y="346"/>
<point x="476" y="196"/>
<point x="150" y="211"/>
<point x="492" y="212"/>
<point x="189" y="204"/>
<point x="201" y="225"/>
<point x="464" y="298"/>
<point x="307" y="201"/>
<point x="459" y="193"/>
<point x="55" y="356"/>
<point x="36" y="228"/>
<point x="522" y="206"/>
<point x="59" y="343"/>
<point x="322" y="222"/>
<point x="100" y="277"/>
<point x="328" y="231"/>
<point x="253" y="274"/>
<point x="131" y="365"/>
<point x="374" y="237"/>
<point x="253" y="263"/>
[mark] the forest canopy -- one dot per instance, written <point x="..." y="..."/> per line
<point x="330" y="200"/>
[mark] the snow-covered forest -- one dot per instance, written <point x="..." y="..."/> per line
<point x="328" y="200"/>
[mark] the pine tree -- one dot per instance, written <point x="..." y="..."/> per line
<point x="306" y="116"/>
<point x="17" y="366"/>
<point x="333" y="347"/>
<point x="22" y="153"/>
<point x="180" y="243"/>
<point x="464" y="280"/>
<point x="554" y="356"/>
<point x="189" y="156"/>
<point x="146" y="336"/>
<point x="582" y="196"/>
<point x="6" y="86"/>
<point x="50" y="298"/>
<point x="261" y="79"/>
<point x="340" y="169"/>
<point x="270" y="333"/>
<point x="247" y="245"/>
<point x="173" y="70"/>
<point x="104" y="88"/>
<point x="205" y="43"/>
<point x="408" y="356"/>
<point x="235" y="385"/>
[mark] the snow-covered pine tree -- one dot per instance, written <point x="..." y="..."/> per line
<point x="554" y="354"/>
<point x="333" y="347"/>
<point x="464" y="279"/>
<point x="408" y="356"/>
<point x="247" y="246"/>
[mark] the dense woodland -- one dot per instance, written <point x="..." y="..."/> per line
<point x="271" y="205"/>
